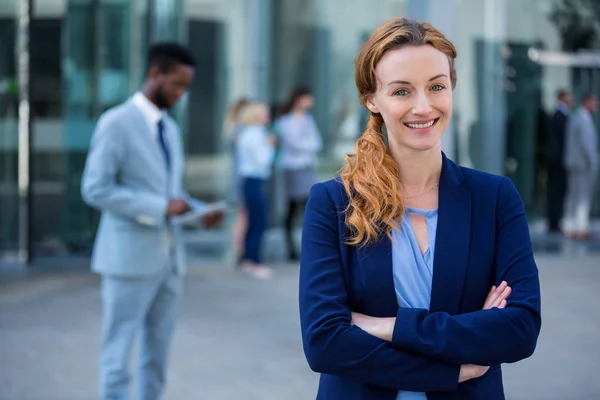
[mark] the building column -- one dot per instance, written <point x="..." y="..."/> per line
<point x="24" y="127"/>
<point x="493" y="109"/>
<point x="259" y="56"/>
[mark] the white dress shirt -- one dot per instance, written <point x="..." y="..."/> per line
<point x="151" y="113"/>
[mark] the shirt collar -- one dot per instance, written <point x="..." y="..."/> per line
<point x="151" y="113"/>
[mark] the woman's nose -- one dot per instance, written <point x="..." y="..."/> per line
<point x="422" y="105"/>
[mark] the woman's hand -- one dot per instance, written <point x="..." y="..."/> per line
<point x="497" y="296"/>
<point x="470" y="371"/>
<point x="383" y="328"/>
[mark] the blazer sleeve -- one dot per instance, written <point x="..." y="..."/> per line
<point x="494" y="336"/>
<point x="100" y="187"/>
<point x="331" y="344"/>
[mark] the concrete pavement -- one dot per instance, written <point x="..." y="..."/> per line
<point x="239" y="338"/>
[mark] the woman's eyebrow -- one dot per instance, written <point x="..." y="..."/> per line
<point x="408" y="83"/>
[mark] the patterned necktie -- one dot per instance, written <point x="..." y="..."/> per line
<point x="163" y="143"/>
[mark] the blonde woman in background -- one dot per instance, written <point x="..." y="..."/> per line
<point x="255" y="151"/>
<point x="231" y="130"/>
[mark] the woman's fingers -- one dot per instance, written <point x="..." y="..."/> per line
<point x="497" y="296"/>
<point x="493" y="295"/>
<point x="502" y="297"/>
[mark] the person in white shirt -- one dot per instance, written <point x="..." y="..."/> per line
<point x="255" y="150"/>
<point x="300" y="143"/>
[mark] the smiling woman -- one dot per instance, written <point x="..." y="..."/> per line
<point x="399" y="253"/>
<point x="410" y="89"/>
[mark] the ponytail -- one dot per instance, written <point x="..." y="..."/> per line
<point x="371" y="180"/>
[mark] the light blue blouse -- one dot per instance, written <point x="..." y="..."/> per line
<point x="413" y="271"/>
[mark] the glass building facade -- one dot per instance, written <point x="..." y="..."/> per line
<point x="88" y="55"/>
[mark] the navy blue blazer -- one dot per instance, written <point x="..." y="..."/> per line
<point x="482" y="239"/>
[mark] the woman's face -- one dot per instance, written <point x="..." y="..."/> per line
<point x="414" y="97"/>
<point x="305" y="102"/>
<point x="264" y="115"/>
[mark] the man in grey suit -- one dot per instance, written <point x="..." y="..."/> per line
<point x="581" y="163"/>
<point x="557" y="176"/>
<point x="133" y="174"/>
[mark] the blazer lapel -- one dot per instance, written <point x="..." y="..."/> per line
<point x="375" y="265"/>
<point x="452" y="240"/>
<point x="145" y="139"/>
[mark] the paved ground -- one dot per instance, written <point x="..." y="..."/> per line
<point x="239" y="339"/>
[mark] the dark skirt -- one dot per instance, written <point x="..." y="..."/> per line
<point x="299" y="181"/>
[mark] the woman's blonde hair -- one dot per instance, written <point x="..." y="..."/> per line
<point x="233" y="115"/>
<point x="250" y="113"/>
<point x="371" y="177"/>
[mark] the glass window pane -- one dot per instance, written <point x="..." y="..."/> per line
<point x="81" y="66"/>
<point x="9" y="199"/>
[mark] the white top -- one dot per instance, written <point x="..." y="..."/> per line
<point x="255" y="153"/>
<point x="151" y="113"/>
<point x="300" y="141"/>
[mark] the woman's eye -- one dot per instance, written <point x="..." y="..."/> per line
<point x="437" y="88"/>
<point x="401" y="92"/>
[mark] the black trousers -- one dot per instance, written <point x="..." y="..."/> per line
<point x="294" y="207"/>
<point x="557" y="189"/>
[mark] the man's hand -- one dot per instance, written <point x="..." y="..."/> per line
<point x="177" y="207"/>
<point x="213" y="219"/>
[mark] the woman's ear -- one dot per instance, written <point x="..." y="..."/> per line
<point x="372" y="106"/>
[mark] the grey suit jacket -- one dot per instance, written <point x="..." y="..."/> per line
<point x="581" y="143"/>
<point x="126" y="178"/>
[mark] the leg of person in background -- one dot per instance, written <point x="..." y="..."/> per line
<point x="125" y="303"/>
<point x="570" y="205"/>
<point x="157" y="335"/>
<point x="239" y="232"/>
<point x="555" y="196"/>
<point x="256" y="204"/>
<point x="586" y="181"/>
<point x="289" y="230"/>
<point x="561" y="195"/>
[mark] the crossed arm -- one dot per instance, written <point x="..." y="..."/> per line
<point x="384" y="328"/>
<point x="490" y="336"/>
<point x="416" y="345"/>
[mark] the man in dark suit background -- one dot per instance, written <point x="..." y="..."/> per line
<point x="557" y="176"/>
